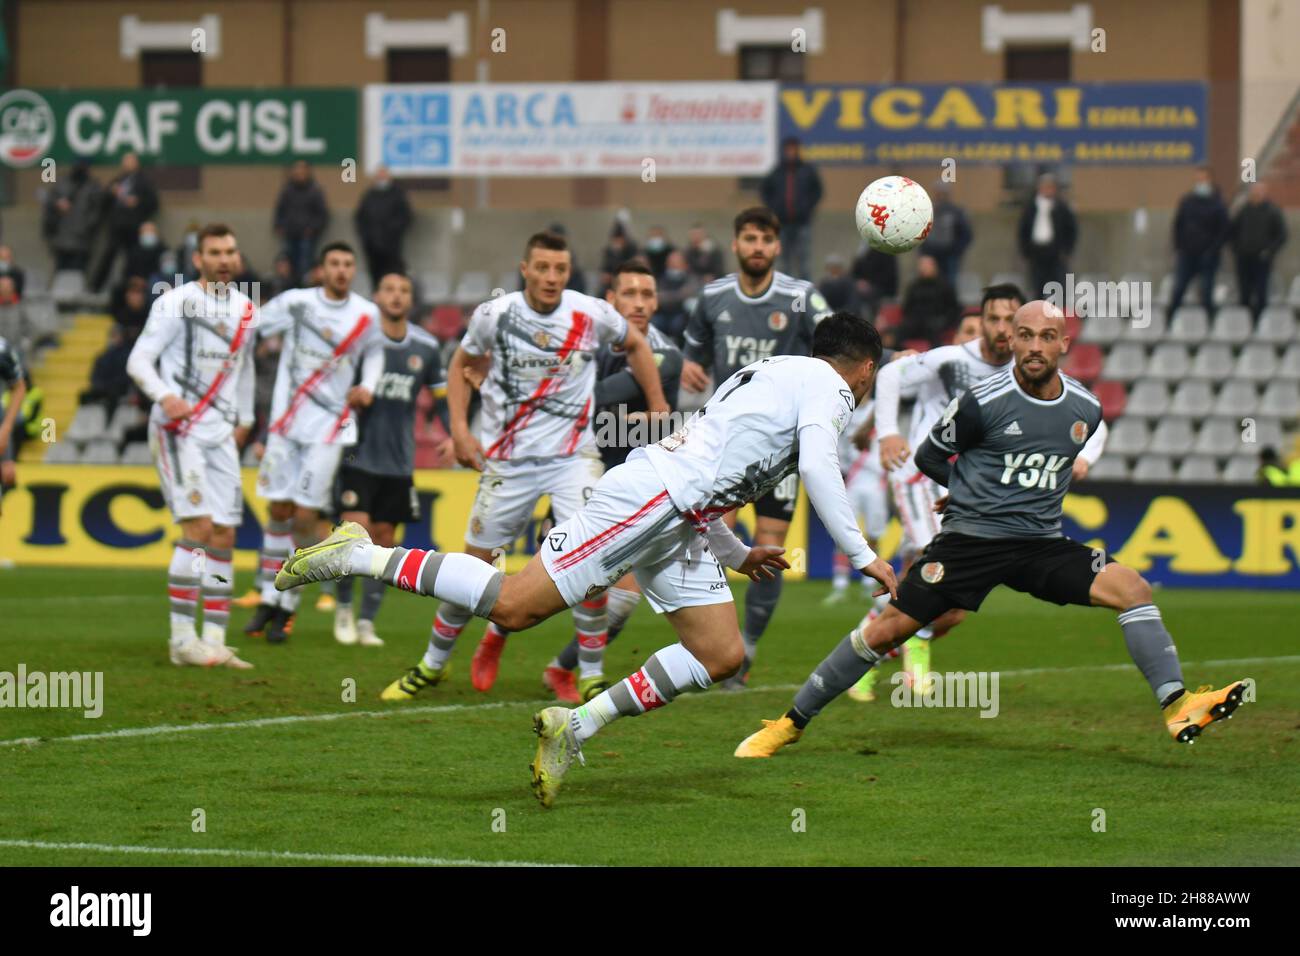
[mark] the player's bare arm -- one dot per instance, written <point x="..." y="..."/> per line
<point x="466" y="447"/>
<point x="641" y="360"/>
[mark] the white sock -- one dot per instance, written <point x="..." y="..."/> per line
<point x="184" y="577"/>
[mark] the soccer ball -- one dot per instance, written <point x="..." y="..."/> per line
<point x="894" y="214"/>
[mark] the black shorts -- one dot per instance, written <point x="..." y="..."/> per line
<point x="387" y="499"/>
<point x="958" y="570"/>
<point x="779" y="502"/>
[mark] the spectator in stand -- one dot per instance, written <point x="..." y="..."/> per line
<point x="281" y="278"/>
<point x="184" y="257"/>
<point x="792" y="190"/>
<point x="675" y="289"/>
<point x="132" y="201"/>
<point x="620" y="248"/>
<point x="9" y="268"/>
<point x="930" y="308"/>
<point x="382" y="218"/>
<point x="1047" y="234"/>
<point x="950" y="234"/>
<point x="73" y="211"/>
<point x="15" y="327"/>
<point x="1257" y="232"/>
<point x="657" y="250"/>
<point x="838" y="288"/>
<point x="145" y="257"/>
<point x="1200" y="228"/>
<point x="301" y="216"/>
<point x="875" y="276"/>
<point x="132" y="310"/>
<point x="703" y="257"/>
<point x="109" y="383"/>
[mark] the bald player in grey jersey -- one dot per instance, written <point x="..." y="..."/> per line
<point x="375" y="483"/>
<point x="1015" y="436"/>
<point x="740" y="319"/>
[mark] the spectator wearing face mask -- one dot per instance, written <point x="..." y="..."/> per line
<point x="657" y="250"/>
<point x="145" y="257"/>
<point x="675" y="289"/>
<point x="1200" y="227"/>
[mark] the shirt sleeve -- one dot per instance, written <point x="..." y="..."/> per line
<point x="1091" y="451"/>
<point x="481" y="331"/>
<point x="276" y="317"/>
<point x="371" y="356"/>
<point x="824" y="411"/>
<point x="246" y="394"/>
<point x="162" y="328"/>
<point x="611" y="327"/>
<point x="899" y="379"/>
<point x="960" y="427"/>
<point x="730" y="551"/>
<point x="699" y="335"/>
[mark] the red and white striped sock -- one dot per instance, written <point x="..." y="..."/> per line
<point x="668" y="672"/>
<point x="447" y="625"/>
<point x="183" y="580"/>
<point x="218" y="585"/>
<point x="590" y="622"/>
<point x="277" y="545"/>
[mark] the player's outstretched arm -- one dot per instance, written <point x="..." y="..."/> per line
<point x="641" y="361"/>
<point x="756" y="563"/>
<point x="467" y="449"/>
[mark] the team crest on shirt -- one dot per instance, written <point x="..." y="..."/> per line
<point x="541" y="338"/>
<point x="196" y="496"/>
<point x="349" y="498"/>
<point x="1079" y="432"/>
<point x="778" y="321"/>
<point x="414" y="363"/>
<point x="327" y="333"/>
<point x="476" y="524"/>
<point x="932" y="573"/>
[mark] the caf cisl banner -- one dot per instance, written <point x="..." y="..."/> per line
<point x="1208" y="536"/>
<point x="113" y="516"/>
<point x="571" y="129"/>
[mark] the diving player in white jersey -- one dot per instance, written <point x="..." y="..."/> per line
<point x="194" y="360"/>
<point x="329" y="333"/>
<point x="657" y="516"/>
<point x="535" y="438"/>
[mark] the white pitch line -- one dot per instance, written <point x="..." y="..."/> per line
<point x="276" y="856"/>
<point x="400" y="710"/>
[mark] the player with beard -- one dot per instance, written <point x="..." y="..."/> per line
<point x="745" y="317"/>
<point x="1014" y="437"/>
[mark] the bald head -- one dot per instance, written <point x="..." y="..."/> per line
<point x="1038" y="340"/>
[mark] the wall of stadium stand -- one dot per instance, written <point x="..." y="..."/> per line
<point x="1110" y="244"/>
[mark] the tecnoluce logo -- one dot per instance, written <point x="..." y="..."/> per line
<point x="103" y="909"/>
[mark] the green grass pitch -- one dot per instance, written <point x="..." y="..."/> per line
<point x="446" y="779"/>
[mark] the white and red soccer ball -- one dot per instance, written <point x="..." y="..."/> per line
<point x="894" y="214"/>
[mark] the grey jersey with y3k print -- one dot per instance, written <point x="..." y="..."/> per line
<point x="387" y="442"/>
<point x="729" y="330"/>
<point x="1014" y="454"/>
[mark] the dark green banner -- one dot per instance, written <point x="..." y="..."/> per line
<point x="190" y="127"/>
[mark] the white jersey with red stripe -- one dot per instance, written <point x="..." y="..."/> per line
<point x="538" y="395"/>
<point x="198" y="346"/>
<point x="325" y="342"/>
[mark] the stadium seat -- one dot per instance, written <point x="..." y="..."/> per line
<point x="472" y="288"/>
<point x="88" y="423"/>
<point x="889" y="315"/>
<point x="1190" y="325"/>
<point x="99" y="453"/>
<point x="1150" y="332"/>
<point x="446" y="322"/>
<point x="1113" y="397"/>
<point x="137" y="453"/>
<point x="1213" y="362"/>
<point x="1219" y="437"/>
<point x="1282" y="400"/>
<point x="1241" y="471"/>
<point x="1192" y="399"/>
<point x="1148" y="399"/>
<point x="1267" y="433"/>
<point x="1232" y="325"/>
<point x="1125" y="362"/>
<point x="1198" y="469"/>
<point x="1225" y="291"/>
<point x="63" y="453"/>
<point x="1153" y="470"/>
<point x="1276" y="326"/>
<point x="35" y="282"/>
<point x="1289" y="366"/>
<point x="1073" y="326"/>
<point x="1128" y="436"/>
<point x="916" y="345"/>
<point x="1165" y="291"/>
<point x="435" y="288"/>
<point x="1108" y="468"/>
<point x="508" y="281"/>
<point x="1172" y="436"/>
<point x="1084" y="363"/>
<point x="1169" y="362"/>
<point x="1293" y="296"/>
<point x="1102" y="329"/>
<point x="69" y="285"/>
<point x="1237" y="397"/>
<point x="1257" y="362"/>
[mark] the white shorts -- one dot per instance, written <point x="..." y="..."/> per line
<point x="914" y="497"/>
<point x="869" y="497"/>
<point x="508" y="493"/>
<point x="630" y="524"/>
<point x="197" y="480"/>
<point x="300" y="472"/>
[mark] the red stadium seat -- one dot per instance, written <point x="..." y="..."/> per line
<point x="1072" y="328"/>
<point x="1113" y="397"/>
<point x="446" y="322"/>
<point x="917" y="345"/>
<point x="1084" y="362"/>
<point x="889" y="315"/>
